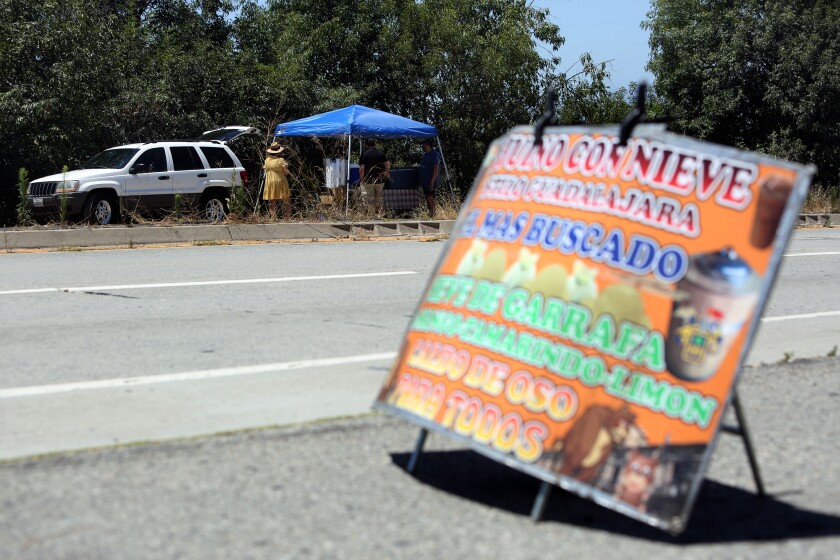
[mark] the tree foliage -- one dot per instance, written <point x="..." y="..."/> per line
<point x="758" y="74"/>
<point x="585" y="97"/>
<point x="78" y="76"/>
<point x="470" y="67"/>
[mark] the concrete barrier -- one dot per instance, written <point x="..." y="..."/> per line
<point x="111" y="236"/>
<point x="819" y="220"/>
<point x="55" y="237"/>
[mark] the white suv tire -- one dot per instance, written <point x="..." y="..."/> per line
<point x="213" y="205"/>
<point x="101" y="209"/>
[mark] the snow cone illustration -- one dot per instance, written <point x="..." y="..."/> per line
<point x="523" y="270"/>
<point x="623" y="302"/>
<point x="581" y="286"/>
<point x="494" y="265"/>
<point x="550" y="281"/>
<point x="473" y="259"/>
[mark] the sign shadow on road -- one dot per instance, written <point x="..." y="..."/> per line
<point x="724" y="513"/>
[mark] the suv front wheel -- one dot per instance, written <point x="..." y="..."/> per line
<point x="213" y="206"/>
<point x="100" y="209"/>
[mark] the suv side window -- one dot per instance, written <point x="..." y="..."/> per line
<point x="217" y="157"/>
<point x="185" y="157"/>
<point x="154" y="158"/>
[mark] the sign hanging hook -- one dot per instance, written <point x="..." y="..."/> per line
<point x="549" y="116"/>
<point x="635" y="117"/>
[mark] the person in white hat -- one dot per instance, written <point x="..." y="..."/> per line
<point x="276" y="186"/>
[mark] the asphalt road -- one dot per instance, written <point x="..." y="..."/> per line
<point x="311" y="337"/>
<point x="339" y="490"/>
<point x="802" y="318"/>
<point x="104" y="347"/>
<point x="135" y="316"/>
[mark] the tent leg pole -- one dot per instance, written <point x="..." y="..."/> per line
<point x="347" y="177"/>
<point x="259" y="192"/>
<point x="446" y="169"/>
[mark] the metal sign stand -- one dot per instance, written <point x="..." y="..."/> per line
<point x="741" y="429"/>
<point x="418" y="449"/>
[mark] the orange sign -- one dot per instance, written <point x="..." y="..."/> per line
<point x="590" y="313"/>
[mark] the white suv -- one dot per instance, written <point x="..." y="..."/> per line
<point x="143" y="177"/>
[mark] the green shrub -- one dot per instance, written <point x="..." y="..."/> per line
<point x="63" y="201"/>
<point x="238" y="203"/>
<point x="24" y="215"/>
<point x="176" y="209"/>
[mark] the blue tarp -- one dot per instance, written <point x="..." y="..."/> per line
<point x="357" y="120"/>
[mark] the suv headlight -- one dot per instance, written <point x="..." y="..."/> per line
<point x="67" y="186"/>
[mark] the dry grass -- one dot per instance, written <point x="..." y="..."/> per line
<point x="447" y="209"/>
<point x="821" y="200"/>
<point x="321" y="209"/>
<point x="209" y="242"/>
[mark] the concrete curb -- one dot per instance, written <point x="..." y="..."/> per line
<point x="819" y="219"/>
<point x="80" y="236"/>
<point x="85" y="236"/>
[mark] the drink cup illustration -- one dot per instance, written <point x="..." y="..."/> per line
<point x="772" y="198"/>
<point x="712" y="302"/>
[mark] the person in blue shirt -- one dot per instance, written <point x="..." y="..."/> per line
<point x="429" y="174"/>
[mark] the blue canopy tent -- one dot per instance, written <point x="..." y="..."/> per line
<point x="357" y="120"/>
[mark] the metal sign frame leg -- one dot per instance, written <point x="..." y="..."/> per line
<point x="742" y="430"/>
<point x="418" y="449"/>
<point x="541" y="501"/>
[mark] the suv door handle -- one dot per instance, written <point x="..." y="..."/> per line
<point x="202" y="174"/>
<point x="163" y="177"/>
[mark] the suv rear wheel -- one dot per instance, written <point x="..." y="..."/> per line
<point x="213" y="206"/>
<point x="100" y="209"/>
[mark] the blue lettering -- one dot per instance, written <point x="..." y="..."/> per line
<point x="593" y="236"/>
<point x="518" y="224"/>
<point x="613" y="249"/>
<point x="641" y="254"/>
<point x="470" y="224"/>
<point x="572" y="238"/>
<point x="534" y="233"/>
<point x="503" y="226"/>
<point x="672" y="265"/>
<point x="489" y="225"/>
<point x="554" y="233"/>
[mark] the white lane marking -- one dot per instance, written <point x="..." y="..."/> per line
<point x="38" y="390"/>
<point x="30" y="291"/>
<point x="205" y="283"/>
<point x="800" y="316"/>
<point x="812" y="254"/>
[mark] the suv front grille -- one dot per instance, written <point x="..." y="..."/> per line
<point x="42" y="189"/>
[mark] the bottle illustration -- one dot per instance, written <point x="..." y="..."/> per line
<point x="712" y="301"/>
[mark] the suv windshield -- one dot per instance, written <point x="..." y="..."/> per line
<point x="110" y="159"/>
